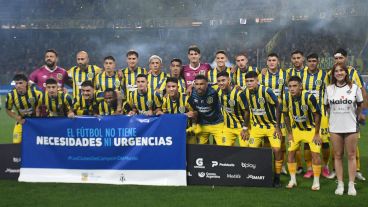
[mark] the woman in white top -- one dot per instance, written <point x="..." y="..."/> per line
<point x="343" y="101"/>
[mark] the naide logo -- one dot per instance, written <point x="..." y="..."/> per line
<point x="248" y="165"/>
<point x="199" y="163"/>
<point x="201" y="174"/>
<point x="255" y="177"/>
<point x="341" y="101"/>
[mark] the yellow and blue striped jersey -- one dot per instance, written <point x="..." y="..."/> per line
<point x="212" y="75"/>
<point x="262" y="104"/>
<point x="88" y="107"/>
<point x="233" y="106"/>
<point x="239" y="76"/>
<point x="58" y="106"/>
<point x="301" y="109"/>
<point x="103" y="82"/>
<point x="25" y="104"/>
<point x="295" y="71"/>
<point x="130" y="78"/>
<point x="181" y="85"/>
<point x="154" y="80"/>
<point x="144" y="102"/>
<point x="105" y="109"/>
<point x="176" y="106"/>
<point x="79" y="76"/>
<point x="315" y="83"/>
<point x="275" y="81"/>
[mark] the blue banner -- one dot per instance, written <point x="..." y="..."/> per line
<point x="117" y="143"/>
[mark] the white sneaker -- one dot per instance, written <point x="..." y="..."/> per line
<point x="359" y="176"/>
<point x="315" y="186"/>
<point x="332" y="175"/>
<point x="340" y="188"/>
<point x="291" y="184"/>
<point x="283" y="170"/>
<point x="351" y="190"/>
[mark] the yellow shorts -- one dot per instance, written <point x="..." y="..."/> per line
<point x="324" y="129"/>
<point x="231" y="134"/>
<point x="283" y="125"/>
<point x="17" y="133"/>
<point x="257" y="134"/>
<point x="204" y="131"/>
<point x="303" y="136"/>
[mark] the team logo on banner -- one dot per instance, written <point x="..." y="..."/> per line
<point x="304" y="108"/>
<point x="59" y="76"/>
<point x="209" y="100"/>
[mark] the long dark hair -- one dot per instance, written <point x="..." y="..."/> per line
<point x="346" y="79"/>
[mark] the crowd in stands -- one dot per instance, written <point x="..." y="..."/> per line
<point x="23" y="50"/>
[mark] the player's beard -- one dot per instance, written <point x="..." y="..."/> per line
<point x="50" y="64"/>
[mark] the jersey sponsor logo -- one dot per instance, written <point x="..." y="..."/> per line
<point x="304" y="108"/>
<point x="341" y="101"/>
<point x="209" y="100"/>
<point x="259" y="112"/>
<point x="300" y="119"/>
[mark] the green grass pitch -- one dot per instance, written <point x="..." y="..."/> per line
<point x="13" y="193"/>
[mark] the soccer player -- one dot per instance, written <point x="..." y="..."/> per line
<point x="275" y="78"/>
<point x="297" y="59"/>
<point x="156" y="75"/>
<point x="175" y="72"/>
<point x="111" y="79"/>
<point x="109" y="105"/>
<point x="305" y="113"/>
<point x="130" y="73"/>
<point x="82" y="72"/>
<point x="242" y="68"/>
<point x="341" y="58"/>
<point x="221" y="59"/>
<point x="57" y="103"/>
<point x="263" y="104"/>
<point x="314" y="81"/>
<point x="194" y="68"/>
<point x="23" y="98"/>
<point x="88" y="100"/>
<point x="49" y="70"/>
<point x="143" y="100"/>
<point x="234" y="104"/>
<point x="175" y="102"/>
<point x="203" y="103"/>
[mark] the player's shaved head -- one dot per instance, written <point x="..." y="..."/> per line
<point x="82" y="52"/>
